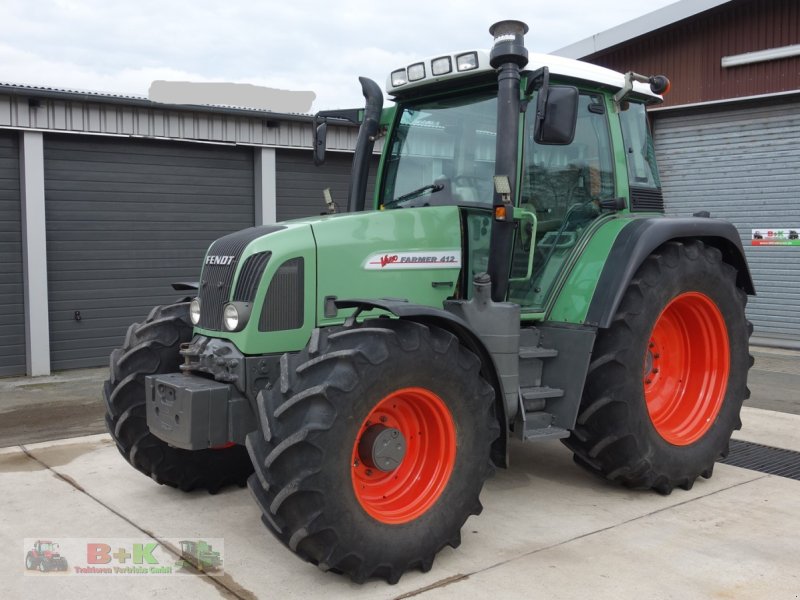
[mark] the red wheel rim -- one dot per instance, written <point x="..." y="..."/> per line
<point x="407" y="492"/>
<point x="686" y="368"/>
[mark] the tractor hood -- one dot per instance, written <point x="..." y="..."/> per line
<point x="413" y="254"/>
<point x="283" y="278"/>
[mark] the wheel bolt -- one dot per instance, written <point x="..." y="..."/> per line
<point x="356" y="463"/>
<point x="656" y="355"/>
<point x="368" y="472"/>
<point x="655" y="370"/>
<point x="383" y="419"/>
<point x="648" y="381"/>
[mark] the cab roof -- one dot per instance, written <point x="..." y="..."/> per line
<point x="558" y="65"/>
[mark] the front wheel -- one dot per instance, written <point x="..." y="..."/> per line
<point x="667" y="380"/>
<point x="373" y="447"/>
<point x="150" y="348"/>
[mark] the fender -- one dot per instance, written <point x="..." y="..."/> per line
<point x="457" y="326"/>
<point x="641" y="237"/>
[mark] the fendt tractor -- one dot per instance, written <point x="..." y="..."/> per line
<point x="513" y="277"/>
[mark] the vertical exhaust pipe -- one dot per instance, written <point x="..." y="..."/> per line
<point x="508" y="56"/>
<point x="367" y="134"/>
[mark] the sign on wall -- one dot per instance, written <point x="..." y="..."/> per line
<point x="776" y="236"/>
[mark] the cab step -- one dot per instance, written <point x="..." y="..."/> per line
<point x="533" y="421"/>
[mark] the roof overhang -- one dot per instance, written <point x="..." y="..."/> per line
<point x="645" y="24"/>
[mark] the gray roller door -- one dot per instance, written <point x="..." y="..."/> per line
<point x="12" y="307"/>
<point x="125" y="219"/>
<point x="743" y="165"/>
<point x="300" y="183"/>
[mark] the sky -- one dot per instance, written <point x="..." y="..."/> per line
<point x="121" y="46"/>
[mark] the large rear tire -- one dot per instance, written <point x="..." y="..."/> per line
<point x="667" y="380"/>
<point x="355" y="390"/>
<point x="151" y="348"/>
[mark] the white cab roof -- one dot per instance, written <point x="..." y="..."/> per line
<point x="558" y="65"/>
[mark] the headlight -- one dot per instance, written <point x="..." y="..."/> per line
<point x="441" y="66"/>
<point x="399" y="77"/>
<point x="194" y="311"/>
<point x="231" y="317"/>
<point x="416" y="72"/>
<point x="235" y="315"/>
<point x="467" y="62"/>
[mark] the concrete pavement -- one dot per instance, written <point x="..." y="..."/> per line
<point x="548" y="530"/>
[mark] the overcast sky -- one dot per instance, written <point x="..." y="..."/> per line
<point x="121" y="47"/>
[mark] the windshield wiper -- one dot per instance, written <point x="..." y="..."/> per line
<point x="431" y="187"/>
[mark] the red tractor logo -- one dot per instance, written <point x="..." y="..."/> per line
<point x="45" y="556"/>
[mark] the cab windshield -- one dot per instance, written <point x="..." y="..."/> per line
<point x="442" y="153"/>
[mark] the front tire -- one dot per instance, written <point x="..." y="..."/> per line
<point x="667" y="380"/>
<point x="321" y="492"/>
<point x="151" y="348"/>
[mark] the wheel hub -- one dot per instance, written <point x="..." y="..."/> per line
<point x="382" y="448"/>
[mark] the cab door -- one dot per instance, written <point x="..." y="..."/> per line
<point x="562" y="186"/>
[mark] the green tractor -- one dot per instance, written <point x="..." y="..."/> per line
<point x="514" y="276"/>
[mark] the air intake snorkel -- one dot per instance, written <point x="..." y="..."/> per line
<point x="508" y="56"/>
<point x="367" y="134"/>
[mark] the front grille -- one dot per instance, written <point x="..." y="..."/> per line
<point x="646" y="200"/>
<point x="283" y="306"/>
<point x="249" y="277"/>
<point x="216" y="279"/>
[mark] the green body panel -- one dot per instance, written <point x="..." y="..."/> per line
<point x="571" y="302"/>
<point x="336" y="250"/>
<point x="345" y="246"/>
<point x="296" y="240"/>
<point x="620" y="157"/>
<point x="387" y="120"/>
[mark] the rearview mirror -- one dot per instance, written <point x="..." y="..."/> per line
<point x="320" y="136"/>
<point x="560" y="115"/>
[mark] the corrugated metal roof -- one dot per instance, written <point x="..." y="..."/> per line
<point x="50" y="109"/>
<point x="17" y="89"/>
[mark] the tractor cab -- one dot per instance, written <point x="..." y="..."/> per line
<point x="565" y="174"/>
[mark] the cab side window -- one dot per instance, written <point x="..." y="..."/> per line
<point x="554" y="178"/>
<point x="562" y="186"/>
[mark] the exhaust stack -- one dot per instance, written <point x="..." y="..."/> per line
<point x="508" y="56"/>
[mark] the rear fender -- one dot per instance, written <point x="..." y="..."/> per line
<point x="639" y="239"/>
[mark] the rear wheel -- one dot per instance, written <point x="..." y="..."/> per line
<point x="151" y="348"/>
<point x="373" y="447"/>
<point x="667" y="380"/>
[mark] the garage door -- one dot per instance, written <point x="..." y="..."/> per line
<point x="125" y="219"/>
<point x="743" y="165"/>
<point x="300" y="183"/>
<point x="12" y="308"/>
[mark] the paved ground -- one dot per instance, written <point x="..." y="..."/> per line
<point x="548" y="530"/>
